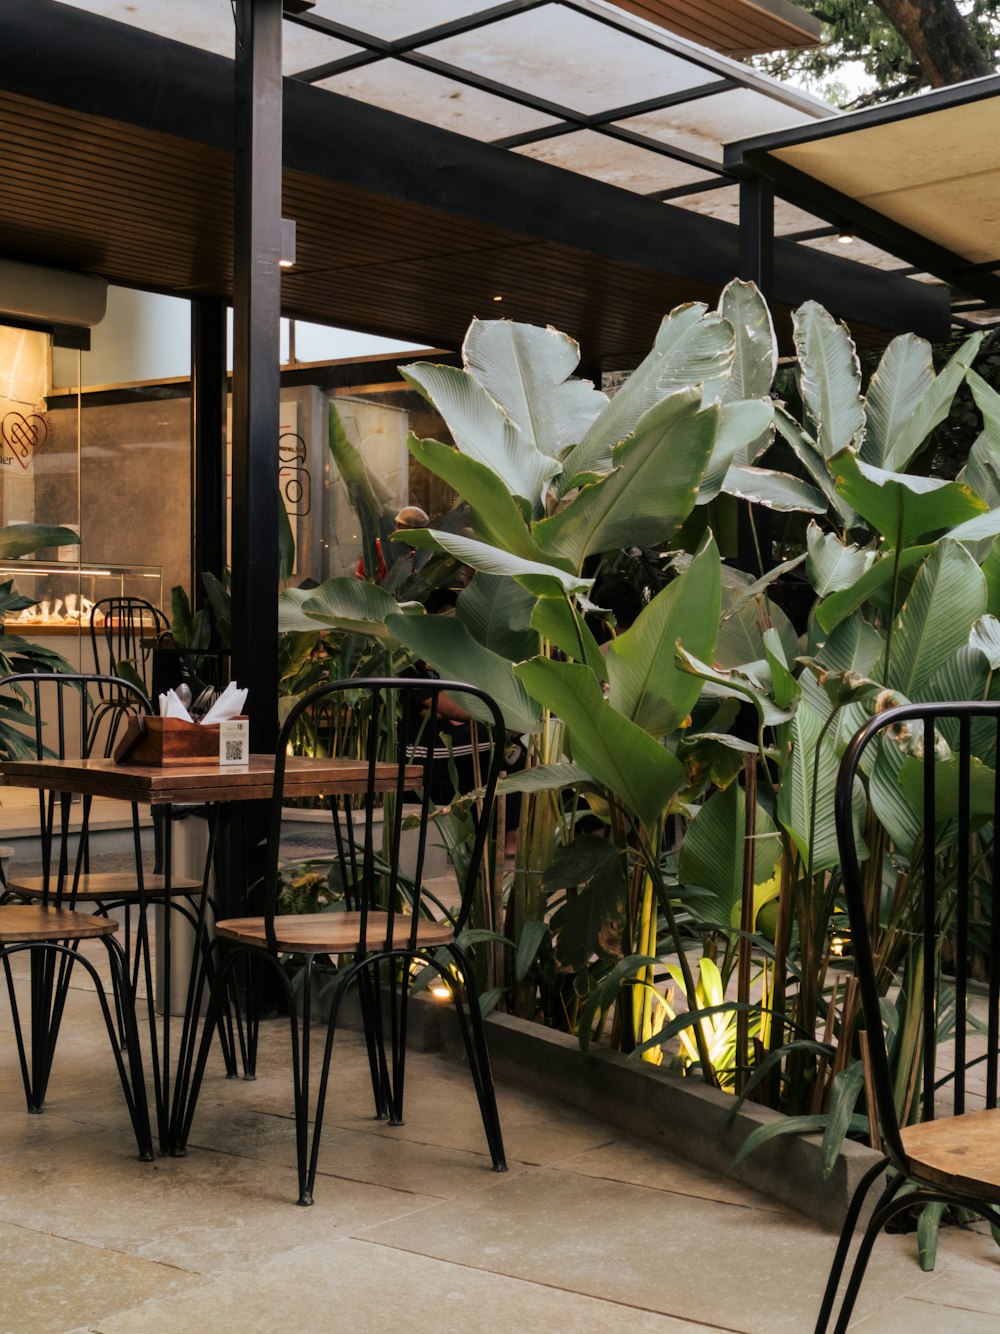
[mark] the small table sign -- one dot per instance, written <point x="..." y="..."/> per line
<point x="234" y="741"/>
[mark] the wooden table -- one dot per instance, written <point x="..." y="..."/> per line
<point x="212" y="785"/>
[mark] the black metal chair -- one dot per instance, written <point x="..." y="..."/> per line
<point x="122" y="630"/>
<point x="942" y="1147"/>
<point x="387" y="922"/>
<point x="70" y="716"/>
<point x="47" y="926"/>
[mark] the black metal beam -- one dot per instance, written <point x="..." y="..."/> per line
<point x="59" y="54"/>
<point x="208" y="441"/>
<point x="257" y="363"/>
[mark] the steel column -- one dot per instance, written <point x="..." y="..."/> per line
<point x="208" y="440"/>
<point x="256" y="366"/>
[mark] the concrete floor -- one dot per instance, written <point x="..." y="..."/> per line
<point x="588" y="1230"/>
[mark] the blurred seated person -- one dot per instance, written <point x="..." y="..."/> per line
<point x="410" y="516"/>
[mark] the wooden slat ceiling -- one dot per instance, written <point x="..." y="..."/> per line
<point x="146" y="209"/>
<point x="733" y="27"/>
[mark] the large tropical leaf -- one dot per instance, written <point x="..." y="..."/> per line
<point x="737" y="684"/>
<point x="854" y="647"/>
<point x="755" y="351"/>
<point x="899" y="506"/>
<point x="991" y="573"/>
<point x="651" y="491"/>
<point x="496" y="516"/>
<point x="564" y="626"/>
<point x="692" y="348"/>
<point x="948" y="595"/>
<point x="481" y="429"/>
<point x="21" y="539"/>
<point x="773" y="490"/>
<point x="902" y="378"/>
<point x="449" y="648"/>
<point x="713" y="852"/>
<point x="527" y="368"/>
<point x="593" y="920"/>
<point x="368" y="495"/>
<point x="494" y="560"/>
<point x="933" y="407"/>
<point x="810" y="772"/>
<point x="832" y="610"/>
<point x="982" y="470"/>
<point x="980" y="528"/>
<point x="947" y="782"/>
<point x="644" y="681"/>
<point x="637" y="769"/>
<point x="741" y="427"/>
<point x="746" y="614"/>
<point x="807" y="452"/>
<point x="829" y="379"/>
<point x="832" y="564"/>
<point x="347" y="603"/>
<point x="497" y="612"/>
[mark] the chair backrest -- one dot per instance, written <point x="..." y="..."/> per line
<point x="122" y="629"/>
<point x="66" y="715"/>
<point x="410" y="746"/>
<point x="923" y="933"/>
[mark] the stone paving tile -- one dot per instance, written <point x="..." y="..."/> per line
<point x="382" y="1288"/>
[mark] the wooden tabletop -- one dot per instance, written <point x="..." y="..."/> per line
<point x="198" y="783"/>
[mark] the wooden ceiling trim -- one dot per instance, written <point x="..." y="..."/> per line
<point x="735" y="27"/>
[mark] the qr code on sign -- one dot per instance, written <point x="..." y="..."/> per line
<point x="234" y="751"/>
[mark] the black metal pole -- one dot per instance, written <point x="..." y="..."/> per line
<point x="754" y="543"/>
<point x="256" y="364"/>
<point x="208" y="437"/>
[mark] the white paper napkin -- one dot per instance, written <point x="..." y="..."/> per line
<point x="171" y="707"/>
<point x="229" y="704"/>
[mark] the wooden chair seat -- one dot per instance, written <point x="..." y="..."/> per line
<point x="334" y="932"/>
<point x="25" y="921"/>
<point x="958" y="1152"/>
<point x="101" y="885"/>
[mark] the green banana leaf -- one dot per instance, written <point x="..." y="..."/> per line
<point x="449" y="648"/>
<point x="773" y="490"/>
<point x="947" y="596"/>
<point x="692" y="348"/>
<point x="741" y="426"/>
<point x="933" y="407"/>
<point x="833" y="565"/>
<point x="344" y="603"/>
<point x="644" y="682"/>
<point x="713" y="851"/>
<point x="829" y="379"/>
<point x="497" y="612"/>
<point x="541" y="579"/>
<point x="481" y="429"/>
<point x="755" y="351"/>
<point x="496" y="517"/>
<point x="638" y="770"/>
<point x="835" y="608"/>
<point x="811" y="769"/>
<point x="562" y="625"/>
<point x="526" y="369"/>
<point x="901" y="380"/>
<point x="651" y="491"/>
<point x="21" y="539"/>
<point x="899" y="506"/>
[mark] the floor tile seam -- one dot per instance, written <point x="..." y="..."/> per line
<point x="552" y="1287"/>
<point x="775" y="1211"/>
<point x="108" y="1248"/>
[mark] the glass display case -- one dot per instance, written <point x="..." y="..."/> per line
<point x="65" y="591"/>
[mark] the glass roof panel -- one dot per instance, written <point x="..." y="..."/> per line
<point x="704" y="125"/>
<point x="416" y="92"/>
<point x="393" y="19"/>
<point x="617" y="163"/>
<point x="570" y="59"/>
<point x="208" y="24"/>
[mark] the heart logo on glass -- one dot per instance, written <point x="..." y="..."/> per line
<point x="23" y="436"/>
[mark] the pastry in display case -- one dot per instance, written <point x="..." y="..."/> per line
<point x="65" y="593"/>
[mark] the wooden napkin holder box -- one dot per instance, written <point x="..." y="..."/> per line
<point x="160" y="742"/>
